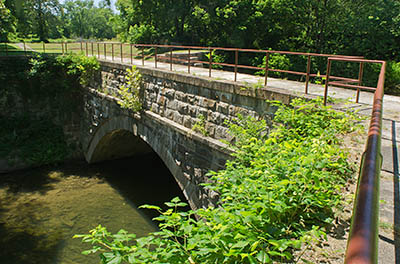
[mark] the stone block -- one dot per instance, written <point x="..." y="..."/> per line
<point x="223" y="108"/>
<point x="169" y="114"/>
<point x="169" y="93"/>
<point x="210" y="128"/>
<point x="182" y="108"/>
<point x="187" y="121"/>
<point x="178" y="118"/>
<point x="203" y="112"/>
<point x="221" y="133"/>
<point x="191" y="99"/>
<point x="180" y="96"/>
<point x="193" y="110"/>
<point x="172" y="104"/>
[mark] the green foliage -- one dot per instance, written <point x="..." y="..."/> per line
<point x="280" y="191"/>
<point x="7" y="22"/>
<point x="76" y="67"/>
<point x="392" y="78"/>
<point x="141" y="34"/>
<point x="215" y="57"/>
<point x="200" y="125"/>
<point x="84" y="19"/>
<point x="130" y="92"/>
<point x="276" y="61"/>
<point x="33" y="141"/>
<point x="50" y="84"/>
<point x="79" y="65"/>
<point x="367" y="28"/>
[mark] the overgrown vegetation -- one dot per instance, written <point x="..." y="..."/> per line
<point x="129" y="93"/>
<point x="200" y="125"/>
<point x="42" y="93"/>
<point x="281" y="190"/>
<point x="32" y="141"/>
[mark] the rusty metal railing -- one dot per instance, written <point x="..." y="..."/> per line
<point x="130" y="52"/>
<point x="363" y="238"/>
<point x="236" y="66"/>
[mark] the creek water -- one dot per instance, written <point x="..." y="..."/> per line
<point x="41" y="209"/>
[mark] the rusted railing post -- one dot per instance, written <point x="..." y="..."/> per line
<point x="62" y="47"/>
<point x="112" y="51"/>
<point x="81" y="46"/>
<point x="360" y="76"/>
<point x="87" y="49"/>
<point x="131" y="50"/>
<point x="328" y="73"/>
<point x="308" y="73"/>
<point x="142" y="56"/>
<point x="98" y="50"/>
<point x="105" y="51"/>
<point x="122" y="54"/>
<point x="209" y="62"/>
<point x="155" y="57"/>
<point x="189" y="60"/>
<point x="236" y="62"/>
<point x="170" y="59"/>
<point x="266" y="68"/>
<point x="66" y="47"/>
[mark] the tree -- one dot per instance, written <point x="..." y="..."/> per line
<point x="7" y="22"/>
<point x="85" y="20"/>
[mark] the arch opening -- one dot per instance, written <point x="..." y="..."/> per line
<point x="119" y="144"/>
<point x="137" y="163"/>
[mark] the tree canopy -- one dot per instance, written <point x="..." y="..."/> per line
<point x="358" y="27"/>
<point x="369" y="28"/>
<point x="49" y="19"/>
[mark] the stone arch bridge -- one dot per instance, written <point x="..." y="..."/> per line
<point x="173" y="103"/>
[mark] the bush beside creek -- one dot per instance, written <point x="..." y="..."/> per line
<point x="40" y="98"/>
<point x="281" y="191"/>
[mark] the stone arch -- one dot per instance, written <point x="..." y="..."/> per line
<point x="142" y="138"/>
<point x="115" y="138"/>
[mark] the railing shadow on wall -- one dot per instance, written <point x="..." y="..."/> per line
<point x="362" y="241"/>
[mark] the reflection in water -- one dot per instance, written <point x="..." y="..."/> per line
<point x="41" y="209"/>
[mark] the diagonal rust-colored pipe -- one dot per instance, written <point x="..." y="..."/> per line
<point x="363" y="238"/>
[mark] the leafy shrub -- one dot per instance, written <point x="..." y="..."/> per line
<point x="142" y="34"/>
<point x="79" y="66"/>
<point x="279" y="190"/>
<point x="200" y="125"/>
<point x="216" y="57"/>
<point x="392" y="78"/>
<point x="276" y="61"/>
<point x="130" y="93"/>
<point x="53" y="75"/>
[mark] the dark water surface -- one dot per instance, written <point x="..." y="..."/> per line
<point x="41" y="209"/>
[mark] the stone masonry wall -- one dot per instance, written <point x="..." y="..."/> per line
<point x="173" y="103"/>
<point x="182" y="98"/>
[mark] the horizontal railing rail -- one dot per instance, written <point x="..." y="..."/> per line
<point x="164" y="53"/>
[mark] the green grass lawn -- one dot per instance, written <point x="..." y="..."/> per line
<point x="98" y="49"/>
<point x="9" y="49"/>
